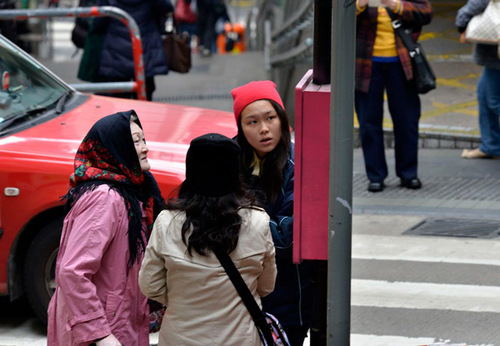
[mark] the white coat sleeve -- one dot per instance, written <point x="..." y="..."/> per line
<point x="153" y="273"/>
<point x="267" y="278"/>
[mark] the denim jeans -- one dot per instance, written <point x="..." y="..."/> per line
<point x="404" y="106"/>
<point x="488" y="96"/>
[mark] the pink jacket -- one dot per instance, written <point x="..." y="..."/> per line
<point x="95" y="294"/>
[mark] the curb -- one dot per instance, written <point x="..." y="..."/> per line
<point x="439" y="139"/>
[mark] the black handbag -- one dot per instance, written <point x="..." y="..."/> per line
<point x="424" y="77"/>
<point x="270" y="331"/>
<point x="177" y="50"/>
<point x="176" y="45"/>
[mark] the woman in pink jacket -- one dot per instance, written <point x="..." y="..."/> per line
<point x="112" y="202"/>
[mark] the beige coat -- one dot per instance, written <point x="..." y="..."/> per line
<point x="203" y="307"/>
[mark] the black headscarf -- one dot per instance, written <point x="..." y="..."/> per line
<point x="107" y="155"/>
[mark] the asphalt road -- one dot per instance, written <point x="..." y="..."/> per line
<point x="407" y="289"/>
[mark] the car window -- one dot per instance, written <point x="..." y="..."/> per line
<point x="25" y="85"/>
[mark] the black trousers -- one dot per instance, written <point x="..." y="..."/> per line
<point x="404" y="107"/>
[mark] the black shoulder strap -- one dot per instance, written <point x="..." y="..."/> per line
<point x="234" y="275"/>
<point x="399" y="30"/>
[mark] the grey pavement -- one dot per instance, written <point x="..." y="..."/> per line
<point x="452" y="186"/>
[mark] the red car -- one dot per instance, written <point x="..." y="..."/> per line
<point x="42" y="122"/>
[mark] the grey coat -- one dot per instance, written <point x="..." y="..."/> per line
<point x="484" y="54"/>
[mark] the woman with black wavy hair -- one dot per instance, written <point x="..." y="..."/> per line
<point x="180" y="269"/>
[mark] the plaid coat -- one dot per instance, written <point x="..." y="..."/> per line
<point x="415" y="13"/>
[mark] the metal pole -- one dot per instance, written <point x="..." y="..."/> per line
<point x="341" y="152"/>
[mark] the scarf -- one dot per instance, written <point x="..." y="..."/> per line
<point x="107" y="155"/>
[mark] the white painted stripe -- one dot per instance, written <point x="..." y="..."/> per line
<point x="386" y="340"/>
<point x="393" y="340"/>
<point x="377" y="340"/>
<point x="410" y="295"/>
<point x="426" y="249"/>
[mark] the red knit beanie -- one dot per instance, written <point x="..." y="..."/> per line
<point x="253" y="91"/>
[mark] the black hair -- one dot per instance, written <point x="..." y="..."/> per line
<point x="272" y="170"/>
<point x="212" y="223"/>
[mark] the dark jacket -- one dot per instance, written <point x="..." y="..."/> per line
<point x="415" y="13"/>
<point x="291" y="300"/>
<point x="484" y="54"/>
<point x="8" y="28"/>
<point x="117" y="60"/>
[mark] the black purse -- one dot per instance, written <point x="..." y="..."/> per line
<point x="177" y="47"/>
<point x="270" y="331"/>
<point x="424" y="77"/>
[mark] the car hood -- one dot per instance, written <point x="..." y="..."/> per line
<point x="168" y="130"/>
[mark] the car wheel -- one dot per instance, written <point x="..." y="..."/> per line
<point x="39" y="268"/>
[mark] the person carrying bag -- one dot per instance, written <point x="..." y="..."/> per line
<point x="485" y="54"/>
<point x="389" y="62"/>
<point x="212" y="213"/>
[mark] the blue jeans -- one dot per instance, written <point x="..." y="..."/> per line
<point x="404" y="106"/>
<point x="488" y="97"/>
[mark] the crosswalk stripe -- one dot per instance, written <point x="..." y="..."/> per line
<point x="416" y="295"/>
<point x="377" y="340"/>
<point x="426" y="249"/>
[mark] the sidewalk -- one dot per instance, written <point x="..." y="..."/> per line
<point x="453" y="186"/>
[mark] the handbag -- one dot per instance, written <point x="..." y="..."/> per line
<point x="177" y="47"/>
<point x="270" y="330"/>
<point x="485" y="27"/>
<point x="156" y="313"/>
<point x="177" y="50"/>
<point x="424" y="76"/>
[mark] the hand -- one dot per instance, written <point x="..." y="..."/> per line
<point x="362" y="3"/>
<point x="109" y="340"/>
<point x="462" y="38"/>
<point x="392" y="4"/>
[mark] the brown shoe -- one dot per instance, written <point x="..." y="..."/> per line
<point x="475" y="154"/>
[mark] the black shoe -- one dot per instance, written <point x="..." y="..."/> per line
<point x="413" y="184"/>
<point x="375" y="186"/>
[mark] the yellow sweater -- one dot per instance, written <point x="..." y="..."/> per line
<point x="385" y="41"/>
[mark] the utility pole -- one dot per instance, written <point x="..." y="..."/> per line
<point x="341" y="157"/>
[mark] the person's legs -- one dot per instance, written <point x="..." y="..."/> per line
<point x="150" y="88"/>
<point x="404" y="106"/>
<point x="207" y="34"/>
<point x="488" y="96"/>
<point x="370" y="111"/>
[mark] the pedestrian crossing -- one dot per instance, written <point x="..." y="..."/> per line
<point x="415" y="290"/>
<point x="405" y="290"/>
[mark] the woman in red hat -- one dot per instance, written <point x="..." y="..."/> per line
<point x="268" y="169"/>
